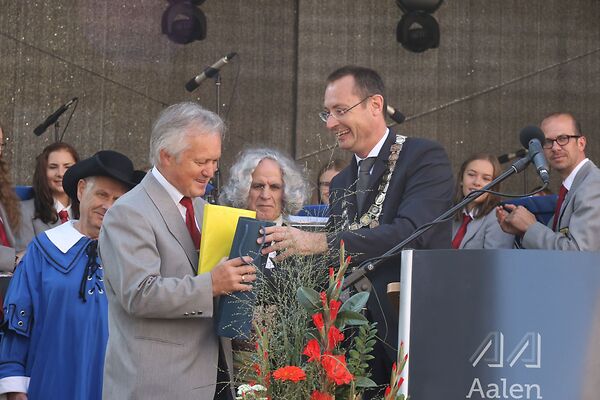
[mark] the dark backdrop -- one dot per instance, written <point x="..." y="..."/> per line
<point x="501" y="65"/>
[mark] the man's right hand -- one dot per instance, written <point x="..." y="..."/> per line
<point x="16" y="396"/>
<point x="234" y="275"/>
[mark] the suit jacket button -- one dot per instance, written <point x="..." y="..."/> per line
<point x="193" y="313"/>
<point x="186" y="314"/>
<point x="199" y="312"/>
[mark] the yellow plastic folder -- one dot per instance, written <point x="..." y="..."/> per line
<point x="218" y="230"/>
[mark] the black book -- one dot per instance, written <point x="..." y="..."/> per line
<point x="234" y="316"/>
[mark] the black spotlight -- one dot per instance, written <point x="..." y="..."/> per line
<point x="183" y="22"/>
<point x="417" y="30"/>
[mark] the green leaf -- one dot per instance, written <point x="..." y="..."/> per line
<point x="356" y="302"/>
<point x="309" y="299"/>
<point x="351" y="318"/>
<point x="364" y="382"/>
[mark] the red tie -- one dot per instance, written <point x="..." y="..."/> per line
<point x="3" y="237"/>
<point x="64" y="216"/>
<point x="190" y="221"/>
<point x="460" y="233"/>
<point x="561" y="197"/>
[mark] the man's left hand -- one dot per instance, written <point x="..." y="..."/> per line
<point x="289" y="241"/>
<point x="514" y="219"/>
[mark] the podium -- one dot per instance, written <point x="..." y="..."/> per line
<point x="502" y="324"/>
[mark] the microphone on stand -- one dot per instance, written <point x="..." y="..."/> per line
<point x="41" y="128"/>
<point x="395" y="115"/>
<point x="504" y="158"/>
<point x="209" y="72"/>
<point x="531" y="137"/>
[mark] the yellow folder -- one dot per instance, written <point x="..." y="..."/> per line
<point x="218" y="229"/>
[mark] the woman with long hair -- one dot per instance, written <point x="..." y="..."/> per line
<point x="10" y="216"/>
<point x="50" y="205"/>
<point x="476" y="226"/>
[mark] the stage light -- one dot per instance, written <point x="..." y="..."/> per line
<point x="183" y="22"/>
<point x="418" y="30"/>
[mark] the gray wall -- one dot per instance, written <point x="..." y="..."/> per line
<point x="501" y="65"/>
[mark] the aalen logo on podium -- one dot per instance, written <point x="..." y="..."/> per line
<point x="528" y="350"/>
<point x="491" y="351"/>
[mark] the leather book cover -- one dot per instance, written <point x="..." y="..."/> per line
<point x="234" y="316"/>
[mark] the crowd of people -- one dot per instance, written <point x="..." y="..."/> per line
<point x="106" y="300"/>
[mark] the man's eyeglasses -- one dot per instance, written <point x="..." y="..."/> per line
<point x="324" y="184"/>
<point x="562" y="140"/>
<point x="338" y="113"/>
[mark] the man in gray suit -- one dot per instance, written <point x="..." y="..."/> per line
<point x="576" y="222"/>
<point x="162" y="341"/>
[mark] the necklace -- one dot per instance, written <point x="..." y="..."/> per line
<point x="371" y="217"/>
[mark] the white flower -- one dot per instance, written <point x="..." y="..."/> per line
<point x="247" y="389"/>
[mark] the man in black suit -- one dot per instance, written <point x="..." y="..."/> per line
<point x="407" y="183"/>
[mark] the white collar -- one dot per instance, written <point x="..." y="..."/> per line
<point x="171" y="190"/>
<point x="376" y="149"/>
<point x="567" y="183"/>
<point x="58" y="206"/>
<point x="64" y="236"/>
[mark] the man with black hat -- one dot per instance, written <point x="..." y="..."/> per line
<point x="56" y="313"/>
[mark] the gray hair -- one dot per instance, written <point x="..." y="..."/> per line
<point x="172" y="126"/>
<point x="295" y="187"/>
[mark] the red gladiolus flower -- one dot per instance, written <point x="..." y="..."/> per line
<point x="335" y="367"/>
<point x="348" y="260"/>
<point x="334" y="337"/>
<point x="400" y="381"/>
<point x="331" y="272"/>
<point x="289" y="373"/>
<point x="316" y="395"/>
<point x="313" y="350"/>
<point x="323" y="296"/>
<point x="387" y="391"/>
<point x="318" y="320"/>
<point x="334" y="308"/>
<point x="256" y="369"/>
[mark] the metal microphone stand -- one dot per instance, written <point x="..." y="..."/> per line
<point x="369" y="266"/>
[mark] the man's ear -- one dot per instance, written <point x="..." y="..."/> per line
<point x="581" y="143"/>
<point x="80" y="189"/>
<point x="377" y="104"/>
<point x="165" y="158"/>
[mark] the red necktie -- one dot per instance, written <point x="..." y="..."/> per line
<point x="3" y="236"/>
<point x="561" y="197"/>
<point x="64" y="216"/>
<point x="190" y="221"/>
<point x="460" y="233"/>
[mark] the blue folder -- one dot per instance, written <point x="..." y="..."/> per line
<point x="540" y="206"/>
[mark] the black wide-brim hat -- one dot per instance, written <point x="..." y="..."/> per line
<point x="107" y="163"/>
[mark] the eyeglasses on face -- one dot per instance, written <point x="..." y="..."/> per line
<point x="324" y="183"/>
<point x="562" y="140"/>
<point x="338" y="113"/>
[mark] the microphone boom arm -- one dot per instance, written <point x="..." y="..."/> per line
<point x="367" y="266"/>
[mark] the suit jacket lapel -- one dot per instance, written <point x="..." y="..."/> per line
<point x="472" y="229"/>
<point x="170" y="214"/>
<point x="581" y="175"/>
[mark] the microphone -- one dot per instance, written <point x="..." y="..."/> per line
<point x="531" y="137"/>
<point x="208" y="72"/>
<point x="395" y="115"/>
<point x="504" y="158"/>
<point x="53" y="118"/>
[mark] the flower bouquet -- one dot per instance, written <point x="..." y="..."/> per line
<point x="312" y="345"/>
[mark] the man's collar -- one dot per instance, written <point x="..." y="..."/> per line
<point x="171" y="190"/>
<point x="567" y="183"/>
<point x="376" y="149"/>
<point x="64" y="236"/>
